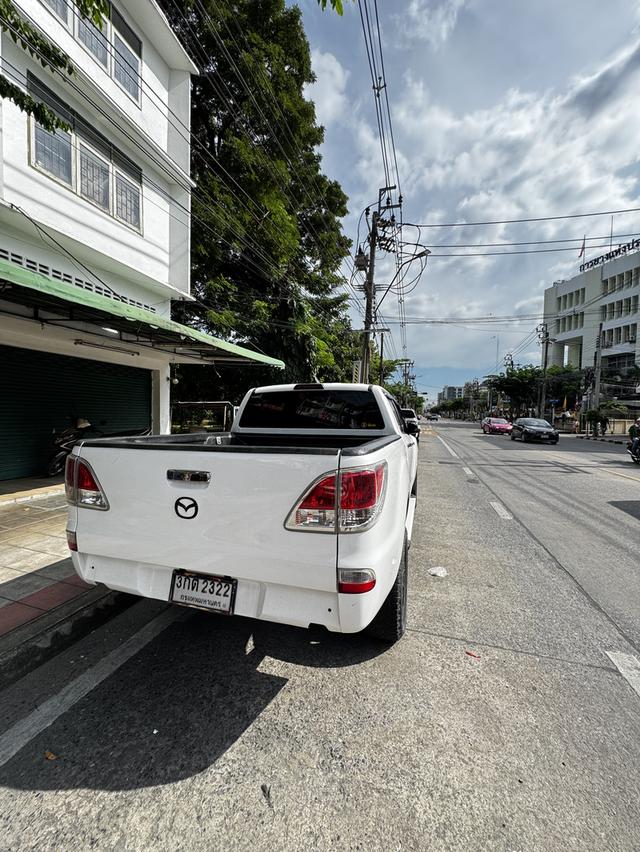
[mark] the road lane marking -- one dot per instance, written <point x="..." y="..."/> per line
<point x="448" y="448"/>
<point x="468" y="471"/>
<point x="500" y="510"/>
<point x="26" y="729"/>
<point x="629" y="668"/>
<point x="625" y="475"/>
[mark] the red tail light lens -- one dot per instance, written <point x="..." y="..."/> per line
<point x="317" y="509"/>
<point x="355" y="582"/>
<point x="72" y="541"/>
<point x="322" y="495"/>
<point x="361" y="497"/>
<point x="82" y="487"/>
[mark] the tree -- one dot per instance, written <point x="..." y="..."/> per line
<point x="49" y="55"/>
<point x="519" y="384"/>
<point x="267" y="242"/>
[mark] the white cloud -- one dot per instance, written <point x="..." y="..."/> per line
<point x="430" y="20"/>
<point x="329" y="90"/>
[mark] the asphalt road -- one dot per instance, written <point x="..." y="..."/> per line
<point x="498" y="722"/>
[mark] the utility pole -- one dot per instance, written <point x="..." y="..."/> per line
<point x="369" y="291"/>
<point x="543" y="331"/>
<point x="381" y="380"/>
<point x="598" y="370"/>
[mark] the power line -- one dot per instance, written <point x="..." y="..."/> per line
<point x="531" y="219"/>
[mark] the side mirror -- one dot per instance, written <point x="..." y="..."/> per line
<point x="412" y="428"/>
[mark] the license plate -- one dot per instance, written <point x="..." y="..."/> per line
<point x="216" y="594"/>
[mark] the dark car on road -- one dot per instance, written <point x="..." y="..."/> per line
<point x="533" y="429"/>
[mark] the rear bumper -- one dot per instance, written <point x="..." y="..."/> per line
<point x="265" y="601"/>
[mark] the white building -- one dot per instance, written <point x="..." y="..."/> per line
<point x="606" y="291"/>
<point x="94" y="231"/>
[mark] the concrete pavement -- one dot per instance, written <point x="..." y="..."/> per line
<point x="498" y="722"/>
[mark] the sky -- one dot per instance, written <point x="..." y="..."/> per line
<point x="501" y="109"/>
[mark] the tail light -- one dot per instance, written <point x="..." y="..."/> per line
<point x="72" y="541"/>
<point x="355" y="581"/>
<point x="82" y="487"/>
<point x="361" y="497"/>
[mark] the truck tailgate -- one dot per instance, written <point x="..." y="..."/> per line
<point x="238" y="525"/>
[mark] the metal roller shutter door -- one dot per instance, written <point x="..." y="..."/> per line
<point x="40" y="392"/>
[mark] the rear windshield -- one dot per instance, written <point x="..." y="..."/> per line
<point x="304" y="409"/>
<point x="532" y="421"/>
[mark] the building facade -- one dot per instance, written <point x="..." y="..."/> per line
<point x="607" y="292"/>
<point x="451" y="392"/>
<point x="95" y="230"/>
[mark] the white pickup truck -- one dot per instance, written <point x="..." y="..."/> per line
<point x="300" y="514"/>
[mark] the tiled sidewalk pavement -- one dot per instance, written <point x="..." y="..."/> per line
<point x="36" y="574"/>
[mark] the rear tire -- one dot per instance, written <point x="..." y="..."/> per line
<point x="390" y="623"/>
<point x="57" y="463"/>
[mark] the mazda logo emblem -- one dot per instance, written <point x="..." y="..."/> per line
<point x="186" y="508"/>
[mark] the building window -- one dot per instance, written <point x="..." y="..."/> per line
<point x="634" y="305"/>
<point x="617" y="335"/>
<point x="127" y="201"/>
<point x="126" y="67"/>
<point x="53" y="153"/>
<point x="86" y="161"/>
<point x="59" y="7"/>
<point x="94" y="178"/>
<point x="113" y="43"/>
<point x="94" y="39"/>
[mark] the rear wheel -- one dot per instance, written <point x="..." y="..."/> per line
<point x="390" y="623"/>
<point x="57" y="463"/>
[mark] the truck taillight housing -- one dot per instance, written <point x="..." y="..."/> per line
<point x="361" y="496"/>
<point x="82" y="487"/>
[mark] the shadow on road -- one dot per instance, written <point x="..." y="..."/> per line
<point x="175" y="708"/>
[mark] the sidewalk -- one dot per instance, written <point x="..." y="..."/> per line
<point x="36" y="574"/>
<point x="43" y="603"/>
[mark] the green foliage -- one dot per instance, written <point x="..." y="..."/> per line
<point x="519" y="384"/>
<point x="266" y="237"/>
<point x="43" y="51"/>
<point x="335" y="4"/>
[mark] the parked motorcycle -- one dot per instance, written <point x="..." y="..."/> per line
<point x="635" y="457"/>
<point x="82" y="429"/>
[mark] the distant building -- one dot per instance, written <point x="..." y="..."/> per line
<point x="451" y="392"/>
<point x="607" y="291"/>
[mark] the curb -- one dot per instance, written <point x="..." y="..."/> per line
<point x="31" y="645"/>
<point x="602" y="440"/>
<point x="27" y="497"/>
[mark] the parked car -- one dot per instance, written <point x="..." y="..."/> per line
<point x="300" y="514"/>
<point x="534" y="429"/>
<point x="410" y="416"/>
<point x="430" y="416"/>
<point x="496" y="426"/>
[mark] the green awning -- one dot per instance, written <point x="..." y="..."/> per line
<point x="68" y="303"/>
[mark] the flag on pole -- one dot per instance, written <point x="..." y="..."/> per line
<point x="564" y="404"/>
<point x="584" y="239"/>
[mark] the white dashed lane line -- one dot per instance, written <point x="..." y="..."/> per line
<point x="468" y="471"/>
<point x="500" y="510"/>
<point x="448" y="448"/>
<point x="629" y="668"/>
